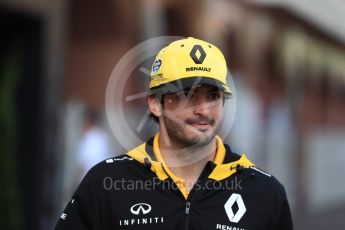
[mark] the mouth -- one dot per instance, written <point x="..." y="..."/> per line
<point x="201" y="125"/>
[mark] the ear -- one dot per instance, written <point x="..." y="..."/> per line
<point x="155" y="105"/>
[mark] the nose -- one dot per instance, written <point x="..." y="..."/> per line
<point x="202" y="106"/>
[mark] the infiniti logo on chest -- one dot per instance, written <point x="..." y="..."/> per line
<point x="140" y="208"/>
<point x="143" y="209"/>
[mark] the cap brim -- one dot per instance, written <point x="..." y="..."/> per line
<point x="185" y="83"/>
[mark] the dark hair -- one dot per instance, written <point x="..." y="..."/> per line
<point x="153" y="117"/>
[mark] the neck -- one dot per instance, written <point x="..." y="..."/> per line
<point x="186" y="163"/>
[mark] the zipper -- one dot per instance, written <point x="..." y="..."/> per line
<point x="191" y="196"/>
<point x="202" y="178"/>
<point x="187" y="215"/>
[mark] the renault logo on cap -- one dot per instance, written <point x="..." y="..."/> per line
<point x="140" y="208"/>
<point x="235" y="217"/>
<point x="198" y="54"/>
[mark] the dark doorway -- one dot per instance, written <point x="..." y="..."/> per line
<point x="21" y="148"/>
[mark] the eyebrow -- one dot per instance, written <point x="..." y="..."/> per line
<point x="213" y="90"/>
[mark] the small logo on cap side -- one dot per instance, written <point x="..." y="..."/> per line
<point x="156" y="65"/>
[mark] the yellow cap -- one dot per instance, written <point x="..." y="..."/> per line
<point x="186" y="63"/>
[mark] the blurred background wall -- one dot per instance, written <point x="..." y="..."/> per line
<point x="286" y="57"/>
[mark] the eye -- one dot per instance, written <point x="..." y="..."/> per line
<point x="214" y="95"/>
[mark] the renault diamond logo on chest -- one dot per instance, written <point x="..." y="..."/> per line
<point x="235" y="199"/>
<point x="142" y="208"/>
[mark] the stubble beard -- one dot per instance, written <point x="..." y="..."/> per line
<point x="178" y="134"/>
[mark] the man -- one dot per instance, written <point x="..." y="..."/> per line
<point x="184" y="177"/>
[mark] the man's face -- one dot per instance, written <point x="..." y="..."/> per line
<point x="193" y="117"/>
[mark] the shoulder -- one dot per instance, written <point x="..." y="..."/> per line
<point x="268" y="183"/>
<point x="118" y="166"/>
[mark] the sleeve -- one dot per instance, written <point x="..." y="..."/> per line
<point x="282" y="219"/>
<point x="82" y="212"/>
